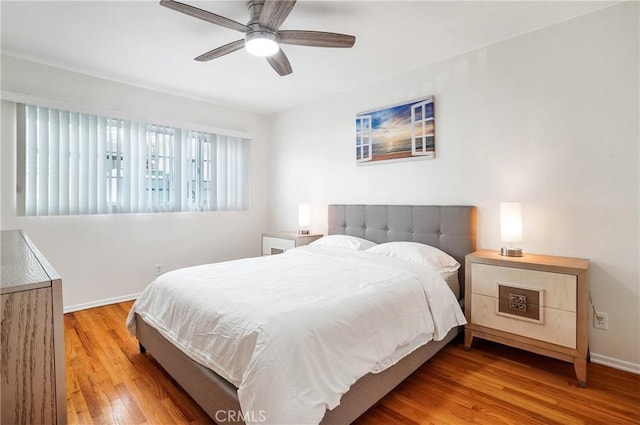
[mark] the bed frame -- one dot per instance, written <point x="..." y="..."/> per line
<point x="450" y="228"/>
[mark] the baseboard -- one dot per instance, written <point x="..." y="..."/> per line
<point x="615" y="363"/>
<point x="99" y="303"/>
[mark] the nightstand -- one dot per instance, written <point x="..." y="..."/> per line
<point x="537" y="303"/>
<point x="279" y="242"/>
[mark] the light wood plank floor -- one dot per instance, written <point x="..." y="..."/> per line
<point x="110" y="382"/>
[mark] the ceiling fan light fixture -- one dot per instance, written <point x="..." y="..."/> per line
<point x="261" y="43"/>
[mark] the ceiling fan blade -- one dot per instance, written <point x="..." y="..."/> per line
<point x="204" y="15"/>
<point x="221" y="51"/>
<point x="280" y="63"/>
<point x="274" y="12"/>
<point x="316" y="39"/>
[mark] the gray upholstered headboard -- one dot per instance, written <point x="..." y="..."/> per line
<point x="449" y="228"/>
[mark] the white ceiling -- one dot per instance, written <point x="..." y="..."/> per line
<point x="144" y="44"/>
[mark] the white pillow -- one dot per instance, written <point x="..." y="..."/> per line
<point x="418" y="253"/>
<point x="343" y="241"/>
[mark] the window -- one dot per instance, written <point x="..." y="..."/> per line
<point x="363" y="138"/>
<point x="422" y="140"/>
<point x="216" y="171"/>
<point x="76" y="163"/>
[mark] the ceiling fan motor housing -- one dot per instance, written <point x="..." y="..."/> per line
<point x="255" y="9"/>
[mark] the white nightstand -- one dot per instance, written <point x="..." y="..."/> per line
<point x="279" y="242"/>
<point x="537" y="303"/>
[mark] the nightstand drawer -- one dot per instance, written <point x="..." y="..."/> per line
<point x="558" y="290"/>
<point x="557" y="327"/>
<point x="276" y="245"/>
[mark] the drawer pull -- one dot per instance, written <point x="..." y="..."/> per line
<point x="519" y="303"/>
<point x="517" y="298"/>
<point x="518" y="306"/>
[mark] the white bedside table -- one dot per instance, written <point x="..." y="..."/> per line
<point x="537" y="303"/>
<point x="279" y="242"/>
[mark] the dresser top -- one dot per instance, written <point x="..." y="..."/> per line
<point x="531" y="261"/>
<point x="290" y="235"/>
<point x="22" y="266"/>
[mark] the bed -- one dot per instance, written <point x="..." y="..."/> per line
<point x="449" y="228"/>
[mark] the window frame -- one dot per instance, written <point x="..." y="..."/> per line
<point x="423" y="121"/>
<point x="364" y="137"/>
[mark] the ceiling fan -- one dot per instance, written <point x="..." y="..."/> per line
<point x="262" y="34"/>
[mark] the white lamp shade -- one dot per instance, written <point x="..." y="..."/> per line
<point x="304" y="215"/>
<point x="510" y="222"/>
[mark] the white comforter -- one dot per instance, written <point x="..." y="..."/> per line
<point x="294" y="331"/>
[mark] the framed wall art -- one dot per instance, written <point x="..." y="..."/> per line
<point x="397" y="132"/>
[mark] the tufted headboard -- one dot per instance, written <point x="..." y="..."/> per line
<point x="449" y="228"/>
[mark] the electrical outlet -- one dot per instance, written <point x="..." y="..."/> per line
<point x="600" y="320"/>
<point x="158" y="269"/>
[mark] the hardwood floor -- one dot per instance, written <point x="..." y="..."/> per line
<point x="110" y="382"/>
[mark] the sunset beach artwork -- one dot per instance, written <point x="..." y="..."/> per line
<point x="398" y="132"/>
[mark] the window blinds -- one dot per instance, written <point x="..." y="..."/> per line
<point x="78" y="163"/>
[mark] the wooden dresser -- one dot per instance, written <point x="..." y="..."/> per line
<point x="32" y="368"/>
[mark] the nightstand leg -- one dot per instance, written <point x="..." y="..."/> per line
<point x="580" y="365"/>
<point x="468" y="339"/>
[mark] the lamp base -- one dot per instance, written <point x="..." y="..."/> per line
<point x="511" y="252"/>
<point x="304" y="232"/>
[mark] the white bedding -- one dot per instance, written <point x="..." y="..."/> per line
<point x="294" y="331"/>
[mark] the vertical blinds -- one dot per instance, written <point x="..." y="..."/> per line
<point x="76" y="163"/>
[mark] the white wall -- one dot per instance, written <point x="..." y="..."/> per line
<point x="111" y="257"/>
<point x="549" y="118"/>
